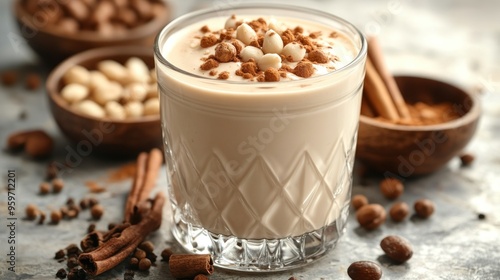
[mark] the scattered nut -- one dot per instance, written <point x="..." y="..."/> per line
<point x="44" y="188"/>
<point x="33" y="81"/>
<point x="399" y="211"/>
<point x="61" y="273"/>
<point x="55" y="216"/>
<point x="147" y="246"/>
<point x="9" y="78"/>
<point x="359" y="201"/>
<point x="371" y="216"/>
<point x="57" y="185"/>
<point x="97" y="211"/>
<point x="364" y="270"/>
<point x="397" y="248"/>
<point x="200" y="277"/>
<point x="139" y="254"/>
<point x="36" y="143"/>
<point x="391" y="188"/>
<point x="133" y="263"/>
<point x="466" y="159"/>
<point x="424" y="208"/>
<point x="42" y="218"/>
<point x="166" y="253"/>
<point x="31" y="212"/>
<point x="144" y="264"/>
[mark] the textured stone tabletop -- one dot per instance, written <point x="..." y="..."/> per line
<point x="457" y="41"/>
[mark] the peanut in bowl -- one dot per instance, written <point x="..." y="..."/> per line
<point x="409" y="149"/>
<point x="56" y="30"/>
<point x="96" y="125"/>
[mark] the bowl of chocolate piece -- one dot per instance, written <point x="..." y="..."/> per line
<point x="56" y="29"/>
<point x="106" y="101"/>
<point x="411" y="125"/>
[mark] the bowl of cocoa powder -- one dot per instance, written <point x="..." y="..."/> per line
<point x="56" y="30"/>
<point x="442" y="120"/>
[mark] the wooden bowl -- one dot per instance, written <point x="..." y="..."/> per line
<point x="105" y="136"/>
<point x="53" y="46"/>
<point x="405" y="151"/>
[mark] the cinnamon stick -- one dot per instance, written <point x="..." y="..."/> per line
<point x="148" y="166"/>
<point x="378" y="94"/>
<point x="117" y="248"/>
<point x="376" y="56"/>
<point x="188" y="266"/>
<point x="366" y="109"/>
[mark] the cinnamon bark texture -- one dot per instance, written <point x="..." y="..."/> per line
<point x="148" y="166"/>
<point x="377" y="93"/>
<point x="188" y="266"/>
<point x="106" y="250"/>
<point x="377" y="58"/>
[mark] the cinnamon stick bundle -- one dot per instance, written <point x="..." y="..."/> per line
<point x="377" y="93"/>
<point x="142" y="216"/>
<point x="117" y="248"/>
<point x="376" y="57"/>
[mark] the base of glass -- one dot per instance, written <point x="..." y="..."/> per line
<point x="259" y="255"/>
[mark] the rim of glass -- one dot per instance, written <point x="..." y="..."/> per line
<point x="313" y="12"/>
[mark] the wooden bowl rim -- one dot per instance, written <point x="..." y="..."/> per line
<point x="107" y="52"/>
<point x="133" y="34"/>
<point x="472" y="115"/>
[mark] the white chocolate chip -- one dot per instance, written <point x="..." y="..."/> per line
<point x="245" y="33"/>
<point x="272" y="42"/>
<point x="74" y="93"/>
<point x="114" y="71"/>
<point x="152" y="107"/>
<point x="276" y="26"/>
<point x="251" y="52"/>
<point x="97" y="79"/>
<point x="115" y="111"/>
<point x="90" y="108"/>
<point x="134" y="109"/>
<point x="270" y="60"/>
<point x="77" y="75"/>
<point x="111" y="92"/>
<point x="230" y="23"/>
<point x="138" y="70"/>
<point x="294" y="51"/>
<point x="135" y="92"/>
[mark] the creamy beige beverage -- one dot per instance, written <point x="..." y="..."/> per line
<point x="260" y="116"/>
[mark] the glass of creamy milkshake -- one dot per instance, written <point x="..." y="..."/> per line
<point x="260" y="108"/>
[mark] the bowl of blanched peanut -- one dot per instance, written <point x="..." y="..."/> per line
<point x="106" y="100"/>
